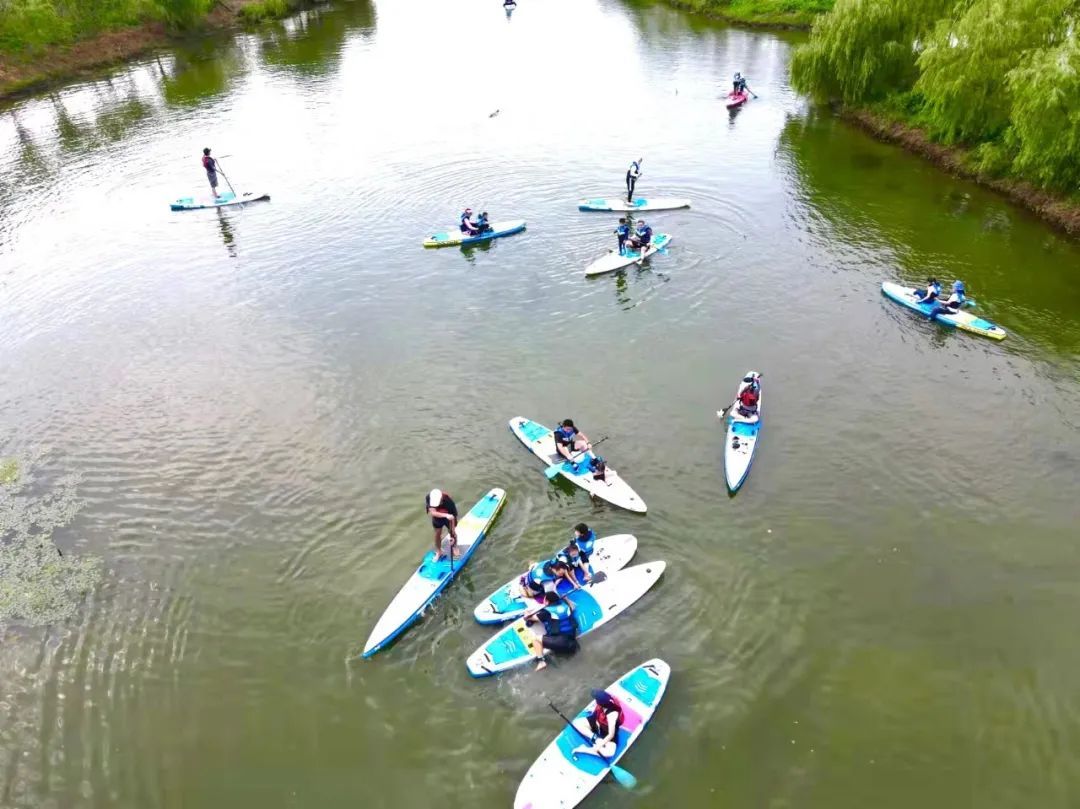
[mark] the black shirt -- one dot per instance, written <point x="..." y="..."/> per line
<point x="446" y="504"/>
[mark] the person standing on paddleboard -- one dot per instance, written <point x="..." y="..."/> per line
<point x="210" y="165"/>
<point x="560" y="628"/>
<point x="622" y="233"/>
<point x="632" y="175"/>
<point x="444" y="514"/>
<point x="569" y="440"/>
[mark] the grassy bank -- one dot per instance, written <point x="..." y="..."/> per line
<point x="769" y="13"/>
<point x="48" y="40"/>
<point x="985" y="88"/>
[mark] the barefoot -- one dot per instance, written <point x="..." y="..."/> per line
<point x="541" y="665"/>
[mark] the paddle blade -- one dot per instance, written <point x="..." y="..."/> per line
<point x="552" y="471"/>
<point x="624" y="777"/>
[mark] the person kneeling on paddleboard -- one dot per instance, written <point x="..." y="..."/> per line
<point x="210" y="165"/>
<point x="444" y="514"/>
<point x="748" y="398"/>
<point x="569" y="441"/>
<point x="930" y="293"/>
<point x="952" y="305"/>
<point x="604" y="723"/>
<point x="560" y="628"/>
<point x="622" y="232"/>
<point x="632" y="175"/>
<point x="467" y="225"/>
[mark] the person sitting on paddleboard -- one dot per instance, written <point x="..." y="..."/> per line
<point x="577" y="553"/>
<point x="632" y="175"/>
<point x="467" y="225"/>
<point x="952" y="304"/>
<point x="748" y="398"/>
<point x="560" y="628"/>
<point x="543" y="577"/>
<point x="604" y="723"/>
<point x="641" y="237"/>
<point x="482" y="225"/>
<point x="444" y="514"/>
<point x="622" y="233"/>
<point x="930" y="293"/>
<point x="569" y="440"/>
<point x="210" y="165"/>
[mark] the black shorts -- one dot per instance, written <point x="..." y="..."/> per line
<point x="567" y="644"/>
<point x="440" y="522"/>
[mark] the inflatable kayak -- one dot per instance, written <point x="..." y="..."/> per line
<point x="563" y="775"/>
<point x="432" y="577"/>
<point x="659" y="204"/>
<point x="905" y="296"/>
<point x="736" y="99"/>
<point x="221" y="201"/>
<point x="507" y="603"/>
<point x="742" y="437"/>
<point x="594" y="605"/>
<point x="454" y="236"/>
<point x="541" y="443"/>
<point x="615" y="260"/>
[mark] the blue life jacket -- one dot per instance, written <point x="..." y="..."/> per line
<point x="539" y="576"/>
<point x="465" y="217"/>
<point x="623" y="231"/>
<point x="565" y="435"/>
<point x="561" y="621"/>
<point x="644" y="233"/>
<point x="585" y="543"/>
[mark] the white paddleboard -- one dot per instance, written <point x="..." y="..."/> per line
<point x="225" y="200"/>
<point x="615" y="260"/>
<point x="742" y="437"/>
<point x="432" y="577"/>
<point x="507" y="603"/>
<point x="541" y="442"/>
<point x="562" y="777"/>
<point x="640" y="204"/>
<point x="594" y="605"/>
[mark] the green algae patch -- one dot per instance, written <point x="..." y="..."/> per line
<point x="38" y="584"/>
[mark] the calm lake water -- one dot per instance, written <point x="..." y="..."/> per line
<point x="253" y="404"/>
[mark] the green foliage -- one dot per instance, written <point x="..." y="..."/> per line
<point x="864" y="49"/>
<point x="1045" y="131"/>
<point x="966" y="60"/>
<point x="798" y="13"/>
<point x="265" y="10"/>
<point x="183" y="13"/>
<point x="1002" y="77"/>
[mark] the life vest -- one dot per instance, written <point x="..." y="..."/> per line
<point x="749" y="397"/>
<point x="634" y="170"/>
<point x="565" y="435"/>
<point x="643" y="233"/>
<point x="208" y="163"/>
<point x="600" y="717"/>
<point x="541" y="573"/>
<point x="560" y="620"/>
<point x="585" y="543"/>
<point x="623" y="231"/>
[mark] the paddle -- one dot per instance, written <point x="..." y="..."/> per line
<point x="221" y="171"/>
<point x="554" y="469"/>
<point x="596" y="579"/>
<point x="624" y="777"/>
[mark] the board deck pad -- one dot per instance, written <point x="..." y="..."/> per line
<point x="615" y="260"/>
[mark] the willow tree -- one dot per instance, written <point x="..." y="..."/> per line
<point x="1045" y="114"/>
<point x="863" y="50"/>
<point x="966" y="62"/>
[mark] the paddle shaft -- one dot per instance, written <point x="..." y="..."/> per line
<point x="217" y="162"/>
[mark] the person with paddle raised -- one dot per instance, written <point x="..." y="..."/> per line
<point x="211" y="167"/>
<point x="444" y="515"/>
<point x="560" y="628"/>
